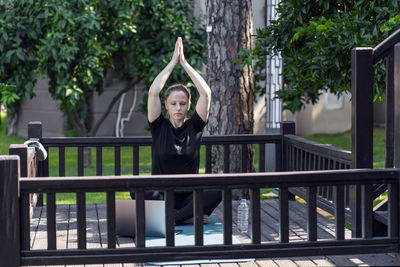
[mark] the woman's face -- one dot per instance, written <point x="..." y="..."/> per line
<point x="177" y="105"/>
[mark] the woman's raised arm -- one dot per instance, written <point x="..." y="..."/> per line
<point x="203" y="103"/>
<point x="154" y="102"/>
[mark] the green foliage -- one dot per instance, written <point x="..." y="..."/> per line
<point x="70" y="42"/>
<point x="73" y="43"/>
<point x="7" y="96"/>
<point x="315" y="39"/>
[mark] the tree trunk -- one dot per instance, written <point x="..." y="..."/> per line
<point x="87" y="151"/>
<point x="89" y="111"/>
<point x="229" y="30"/>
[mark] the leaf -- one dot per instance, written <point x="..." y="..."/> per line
<point x="5" y="36"/>
<point x="385" y="28"/>
<point x="9" y="54"/>
<point x="295" y="37"/>
<point x="20" y="54"/>
<point x="68" y="92"/>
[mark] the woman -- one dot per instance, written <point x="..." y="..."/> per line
<point x="176" y="139"/>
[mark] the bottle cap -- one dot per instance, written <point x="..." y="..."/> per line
<point x="243" y="200"/>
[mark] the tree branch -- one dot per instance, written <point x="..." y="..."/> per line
<point x="96" y="127"/>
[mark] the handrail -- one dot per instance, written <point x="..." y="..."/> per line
<point x="237" y="180"/>
<point x="328" y="151"/>
<point x="147" y="140"/>
<point x="382" y="49"/>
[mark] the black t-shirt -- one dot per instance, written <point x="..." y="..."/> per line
<point x="176" y="150"/>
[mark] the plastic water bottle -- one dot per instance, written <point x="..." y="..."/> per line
<point x="243" y="216"/>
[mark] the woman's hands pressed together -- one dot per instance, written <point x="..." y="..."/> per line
<point x="203" y="102"/>
<point x="176" y="56"/>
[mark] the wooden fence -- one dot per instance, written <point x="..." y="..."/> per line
<point x="363" y="61"/>
<point x="18" y="234"/>
<point x="292" y="153"/>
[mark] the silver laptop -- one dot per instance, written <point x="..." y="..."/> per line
<point x="125" y="216"/>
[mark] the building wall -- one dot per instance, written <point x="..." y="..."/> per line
<point x="40" y="108"/>
<point x="43" y="108"/>
<point x="330" y="115"/>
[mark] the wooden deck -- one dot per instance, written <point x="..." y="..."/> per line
<point x="97" y="237"/>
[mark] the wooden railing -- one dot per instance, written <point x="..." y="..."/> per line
<point x="305" y="155"/>
<point x="363" y="61"/>
<point x="292" y="153"/>
<point x="80" y="143"/>
<point x="17" y="235"/>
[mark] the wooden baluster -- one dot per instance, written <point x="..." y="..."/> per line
<point x="208" y="158"/>
<point x="81" y="219"/>
<point x="170" y="218"/>
<point x="61" y="161"/>
<point x="25" y="221"/>
<point x="261" y="158"/>
<point x="135" y="160"/>
<point x="51" y="221"/>
<point x="338" y="199"/>
<point x="80" y="161"/>
<point x="99" y="161"/>
<point x="227" y="210"/>
<point x="140" y="220"/>
<point x="226" y="158"/>
<point x="117" y="160"/>
<point x="393" y="208"/>
<point x="198" y="217"/>
<point x="367" y="210"/>
<point x="283" y="215"/>
<point x="244" y="157"/>
<point x="311" y="198"/>
<point x="111" y="220"/>
<point x="255" y="209"/>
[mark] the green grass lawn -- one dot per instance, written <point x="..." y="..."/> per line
<point x="344" y="141"/>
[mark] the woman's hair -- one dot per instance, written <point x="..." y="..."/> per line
<point x="176" y="88"/>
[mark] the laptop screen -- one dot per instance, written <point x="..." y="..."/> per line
<point x="125" y="216"/>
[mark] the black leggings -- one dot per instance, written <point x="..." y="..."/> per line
<point x="184" y="202"/>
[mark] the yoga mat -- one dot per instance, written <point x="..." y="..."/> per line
<point x="213" y="235"/>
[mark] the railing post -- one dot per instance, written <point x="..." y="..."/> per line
<point x="396" y="87"/>
<point x="20" y="150"/>
<point x="287" y="127"/>
<point x="362" y="124"/>
<point x="389" y="111"/>
<point x="35" y="133"/>
<point x="27" y="168"/>
<point x="10" y="249"/>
